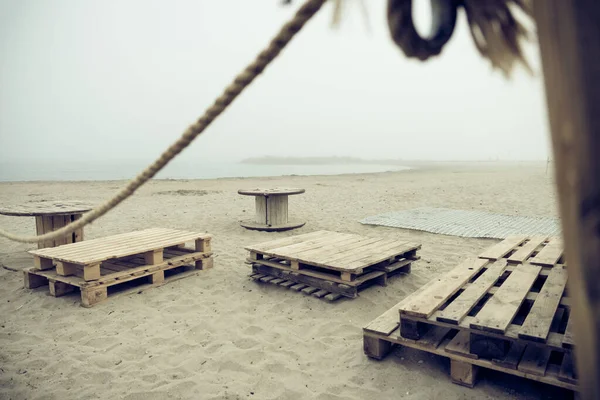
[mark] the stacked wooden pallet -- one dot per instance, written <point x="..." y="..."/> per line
<point x="507" y="310"/>
<point x="330" y="265"/>
<point x="94" y="266"/>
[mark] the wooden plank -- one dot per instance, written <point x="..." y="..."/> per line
<point x="78" y="234"/>
<point x="372" y="248"/>
<point x="427" y="302"/>
<point x="463" y="373"/>
<point x="323" y="275"/>
<point x="503" y="248"/>
<point x="567" y="369"/>
<point x="287" y="283"/>
<point x="460" y="344"/>
<point x="568" y="340"/>
<point x="95" y="244"/>
<point x="499" y="311"/>
<point x="549" y="378"/>
<point x="290" y="252"/>
<point x="379" y="254"/>
<point x="434" y="336"/>
<point x="460" y="307"/>
<point x="277" y="210"/>
<point x="309" y="290"/>
<point x="524" y="252"/>
<point x="102" y="249"/>
<point x="261" y="210"/>
<point x="513" y="356"/>
<point x="260" y="247"/>
<point x="550" y="254"/>
<point x="346" y="290"/>
<point x="298" y="287"/>
<point x="320" y="253"/>
<point x="58" y="221"/>
<point x="332" y="296"/>
<point x="266" y="279"/>
<point x="537" y="324"/>
<point x="535" y="360"/>
<point x="357" y="250"/>
<point x="48" y="226"/>
<point x="320" y="293"/>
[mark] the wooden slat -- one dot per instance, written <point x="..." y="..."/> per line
<point x="524" y="252"/>
<point x="568" y="341"/>
<point x="357" y="250"/>
<point x="370" y="250"/>
<point x="513" y="356"/>
<point x="427" y="302"/>
<point x="259" y="247"/>
<point x="322" y="275"/>
<point x="550" y="254"/>
<point x="535" y="360"/>
<point x="497" y="314"/>
<point x="567" y="369"/>
<point x="434" y="337"/>
<point x="380" y="254"/>
<point x="550" y="377"/>
<point x="538" y="321"/>
<point x="334" y="247"/>
<point x="502" y="248"/>
<point x="292" y="252"/>
<point x="58" y="221"/>
<point x="98" y="250"/>
<point x="320" y="293"/>
<point x="460" y="307"/>
<point x="460" y="344"/>
<point x="83" y="247"/>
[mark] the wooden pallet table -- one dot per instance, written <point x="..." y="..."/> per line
<point x="51" y="216"/>
<point x="330" y="264"/>
<point x="491" y="311"/>
<point x="93" y="258"/>
<point x="271" y="209"/>
<point x="94" y="265"/>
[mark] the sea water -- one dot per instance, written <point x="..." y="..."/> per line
<point x="12" y="171"/>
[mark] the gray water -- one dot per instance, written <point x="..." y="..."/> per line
<point x="110" y="170"/>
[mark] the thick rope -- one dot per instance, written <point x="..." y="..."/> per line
<point x="285" y="35"/>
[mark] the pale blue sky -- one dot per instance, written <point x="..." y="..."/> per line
<point x="121" y="79"/>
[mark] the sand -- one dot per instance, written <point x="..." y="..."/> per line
<point x="218" y="335"/>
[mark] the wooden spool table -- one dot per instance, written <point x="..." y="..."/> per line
<point x="271" y="209"/>
<point x="50" y="216"/>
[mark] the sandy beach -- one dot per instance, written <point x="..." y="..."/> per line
<point x="218" y="335"/>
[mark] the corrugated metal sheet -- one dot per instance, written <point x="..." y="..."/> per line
<point x="475" y="224"/>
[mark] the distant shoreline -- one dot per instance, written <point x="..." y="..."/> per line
<point x="335" y="160"/>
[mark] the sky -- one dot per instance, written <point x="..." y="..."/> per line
<point x="117" y="80"/>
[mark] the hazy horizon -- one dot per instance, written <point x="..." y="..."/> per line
<point x="119" y="81"/>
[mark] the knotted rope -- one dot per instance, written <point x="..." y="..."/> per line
<point x="285" y="35"/>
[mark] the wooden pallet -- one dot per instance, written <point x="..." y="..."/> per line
<point x="88" y="256"/>
<point x="178" y="262"/>
<point x="536" y="250"/>
<point x="502" y="308"/>
<point x="337" y="257"/>
<point x="298" y="287"/>
<point x="523" y="361"/>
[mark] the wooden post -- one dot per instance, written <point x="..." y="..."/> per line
<point x="569" y="36"/>
<point x="261" y="210"/>
<point x="277" y="210"/>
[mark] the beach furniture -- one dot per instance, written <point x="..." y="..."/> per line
<point x="50" y="216"/>
<point x="506" y="310"/>
<point x="330" y="264"/>
<point x="93" y="266"/>
<point x="271" y="209"/>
